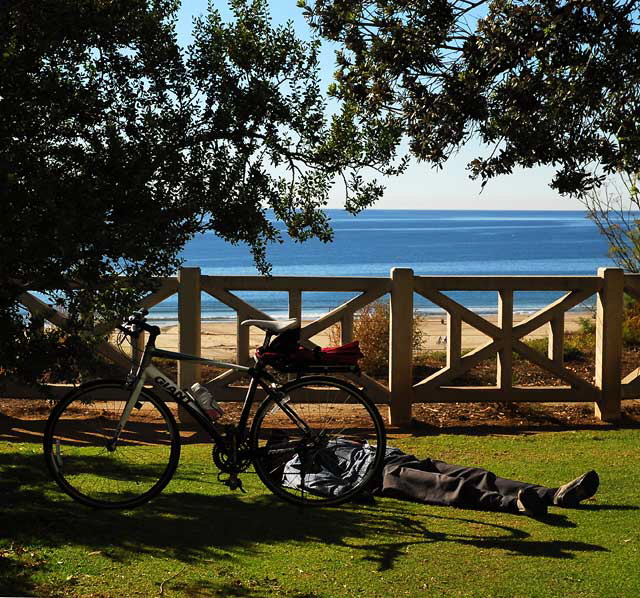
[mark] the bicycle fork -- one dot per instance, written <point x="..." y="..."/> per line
<point x="124" y="417"/>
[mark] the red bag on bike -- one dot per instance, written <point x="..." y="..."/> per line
<point x="285" y="352"/>
<point x="344" y="355"/>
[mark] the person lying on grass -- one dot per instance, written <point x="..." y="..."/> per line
<point x="430" y="481"/>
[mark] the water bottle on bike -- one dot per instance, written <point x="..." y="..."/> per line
<point x="205" y="401"/>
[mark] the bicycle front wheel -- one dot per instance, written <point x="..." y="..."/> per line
<point x="83" y="459"/>
<point x="323" y="447"/>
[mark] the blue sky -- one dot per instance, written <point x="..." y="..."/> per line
<point x="422" y="187"/>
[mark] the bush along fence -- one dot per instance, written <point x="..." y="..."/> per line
<point x="504" y="337"/>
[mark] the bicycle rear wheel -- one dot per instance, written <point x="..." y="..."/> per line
<point x="82" y="460"/>
<point x="323" y="448"/>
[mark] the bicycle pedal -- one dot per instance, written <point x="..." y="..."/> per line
<point x="233" y="483"/>
<point x="236" y="484"/>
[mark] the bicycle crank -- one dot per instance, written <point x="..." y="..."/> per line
<point x="233" y="482"/>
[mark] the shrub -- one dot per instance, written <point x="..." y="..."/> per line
<point x="587" y="325"/>
<point x="582" y="343"/>
<point x="575" y="347"/>
<point x="431" y="358"/>
<point x="539" y="344"/>
<point x="631" y="322"/>
<point x="371" y="328"/>
<point x="574" y="353"/>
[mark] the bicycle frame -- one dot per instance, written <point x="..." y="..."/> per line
<point x="147" y="371"/>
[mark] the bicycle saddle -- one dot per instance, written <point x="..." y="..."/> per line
<point x="273" y="326"/>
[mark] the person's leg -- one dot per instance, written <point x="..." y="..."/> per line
<point x="482" y="478"/>
<point x="508" y="487"/>
<point x="418" y="481"/>
<point x="568" y="495"/>
<point x="489" y="481"/>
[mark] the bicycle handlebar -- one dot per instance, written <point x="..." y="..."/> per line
<point x="137" y="323"/>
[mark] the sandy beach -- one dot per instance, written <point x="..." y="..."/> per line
<point x="219" y="338"/>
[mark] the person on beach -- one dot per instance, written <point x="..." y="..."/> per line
<point x="433" y="482"/>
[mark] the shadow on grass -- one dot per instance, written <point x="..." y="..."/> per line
<point x="412" y="531"/>
<point x="190" y="527"/>
<point x="14" y="429"/>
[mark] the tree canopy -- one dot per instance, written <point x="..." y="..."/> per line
<point x="118" y="145"/>
<point x="615" y="208"/>
<point x="540" y="82"/>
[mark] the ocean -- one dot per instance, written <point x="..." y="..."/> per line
<point x="443" y="243"/>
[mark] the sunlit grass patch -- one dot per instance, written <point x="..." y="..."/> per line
<point x="200" y="539"/>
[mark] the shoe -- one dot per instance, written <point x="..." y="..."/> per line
<point x="579" y="489"/>
<point x="529" y="503"/>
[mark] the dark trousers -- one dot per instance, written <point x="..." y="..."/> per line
<point x="438" y="483"/>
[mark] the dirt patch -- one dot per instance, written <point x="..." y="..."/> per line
<point x="26" y="409"/>
<point x="516" y="416"/>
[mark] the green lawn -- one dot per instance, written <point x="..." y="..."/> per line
<point x="200" y="539"/>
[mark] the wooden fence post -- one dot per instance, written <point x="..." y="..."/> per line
<point x="189" y="324"/>
<point x="555" y="349"/>
<point x="401" y="346"/>
<point x="454" y="340"/>
<point x="505" y="355"/>
<point x="346" y="328"/>
<point x="295" y="304"/>
<point x="609" y="343"/>
<point x="242" y="338"/>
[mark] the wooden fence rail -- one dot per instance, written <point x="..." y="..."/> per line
<point x="605" y="389"/>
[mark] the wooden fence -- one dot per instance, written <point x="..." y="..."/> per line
<point x="605" y="390"/>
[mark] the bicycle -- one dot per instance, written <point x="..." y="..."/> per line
<point x="115" y="444"/>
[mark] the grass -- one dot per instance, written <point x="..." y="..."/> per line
<point x="200" y="539"/>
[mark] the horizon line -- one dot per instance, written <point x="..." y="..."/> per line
<point x="458" y="210"/>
